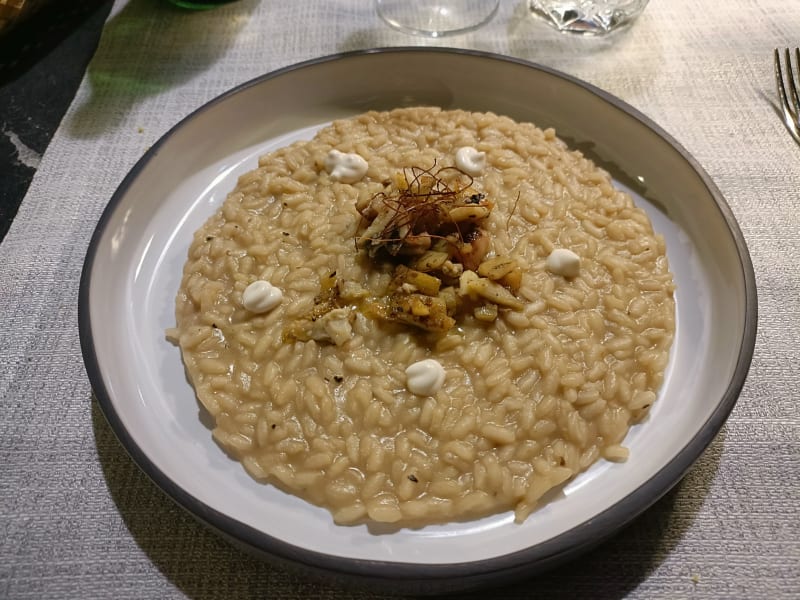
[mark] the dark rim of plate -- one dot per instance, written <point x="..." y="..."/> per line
<point x="530" y="560"/>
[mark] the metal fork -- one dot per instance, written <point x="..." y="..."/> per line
<point x="790" y="105"/>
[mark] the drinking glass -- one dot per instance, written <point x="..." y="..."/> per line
<point x="587" y="17"/>
<point x="435" y="18"/>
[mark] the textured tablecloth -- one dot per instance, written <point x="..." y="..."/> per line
<point x="77" y="517"/>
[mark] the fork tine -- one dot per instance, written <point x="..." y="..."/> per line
<point x="791" y="83"/>
<point x="792" y="86"/>
<point x="791" y="117"/>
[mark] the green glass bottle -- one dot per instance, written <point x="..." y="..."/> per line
<point x="200" y="4"/>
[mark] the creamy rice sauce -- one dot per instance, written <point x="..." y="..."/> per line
<point x="528" y="401"/>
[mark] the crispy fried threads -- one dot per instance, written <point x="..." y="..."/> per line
<point x="313" y="395"/>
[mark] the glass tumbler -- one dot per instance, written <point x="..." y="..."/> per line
<point x="435" y="18"/>
<point x="587" y="17"/>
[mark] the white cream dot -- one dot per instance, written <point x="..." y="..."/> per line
<point x="471" y="161"/>
<point x="346" y="168"/>
<point x="261" y="296"/>
<point x="563" y="262"/>
<point x="425" y="378"/>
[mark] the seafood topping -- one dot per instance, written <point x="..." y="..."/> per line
<point x="429" y="224"/>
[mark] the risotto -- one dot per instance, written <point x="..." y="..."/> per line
<point x="424" y="369"/>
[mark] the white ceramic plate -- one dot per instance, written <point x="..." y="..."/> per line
<point x="133" y="270"/>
